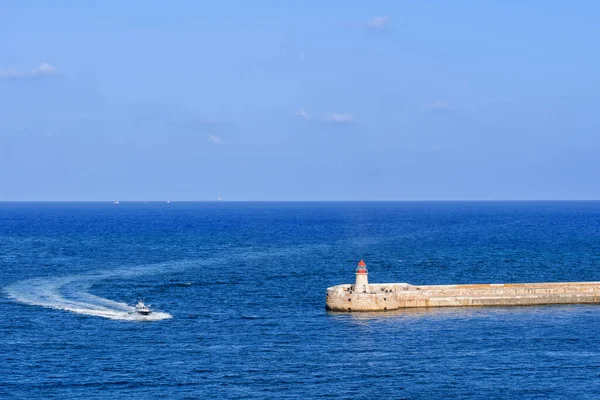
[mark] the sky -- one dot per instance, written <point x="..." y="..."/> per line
<point x="305" y="100"/>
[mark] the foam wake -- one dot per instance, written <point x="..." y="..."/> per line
<point x="72" y="293"/>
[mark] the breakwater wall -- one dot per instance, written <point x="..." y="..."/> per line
<point x="393" y="296"/>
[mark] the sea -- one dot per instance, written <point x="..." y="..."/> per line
<point x="238" y="293"/>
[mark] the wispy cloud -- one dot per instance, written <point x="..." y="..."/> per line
<point x="302" y="113"/>
<point x="42" y="70"/>
<point x="340" y="118"/>
<point x="9" y="73"/>
<point x="378" y="22"/>
<point x="215" y="140"/>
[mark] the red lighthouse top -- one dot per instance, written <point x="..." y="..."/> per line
<point x="362" y="267"/>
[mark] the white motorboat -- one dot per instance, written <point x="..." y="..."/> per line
<point x="142" y="309"/>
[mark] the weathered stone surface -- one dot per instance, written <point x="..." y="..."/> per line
<point x="392" y="296"/>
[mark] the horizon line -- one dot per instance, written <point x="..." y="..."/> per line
<point x="299" y="201"/>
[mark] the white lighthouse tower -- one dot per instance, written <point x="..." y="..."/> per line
<point x="362" y="278"/>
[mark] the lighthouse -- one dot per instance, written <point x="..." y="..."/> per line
<point x="362" y="278"/>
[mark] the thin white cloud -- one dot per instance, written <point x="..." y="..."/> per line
<point x="378" y="22"/>
<point x="9" y="73"/>
<point x="215" y="140"/>
<point x="302" y="113"/>
<point x="340" y="118"/>
<point x="44" y="69"/>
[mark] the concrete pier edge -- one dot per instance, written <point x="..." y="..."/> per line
<point x="363" y="296"/>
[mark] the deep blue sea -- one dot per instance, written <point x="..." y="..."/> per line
<point x="239" y="295"/>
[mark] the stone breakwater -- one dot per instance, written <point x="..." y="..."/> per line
<point x="393" y="296"/>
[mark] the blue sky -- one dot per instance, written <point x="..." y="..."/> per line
<point x="311" y="100"/>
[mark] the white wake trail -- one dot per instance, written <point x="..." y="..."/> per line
<point x="71" y="293"/>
